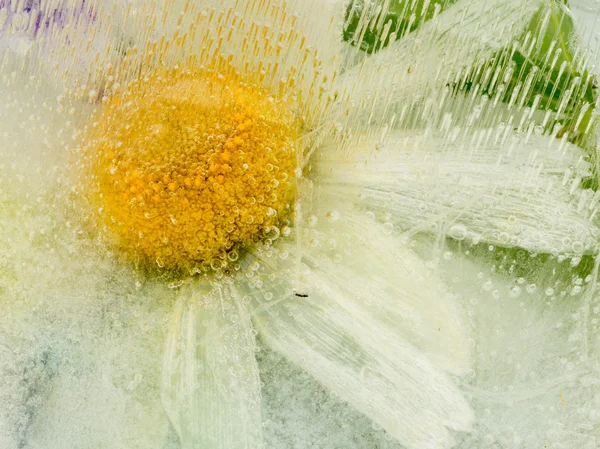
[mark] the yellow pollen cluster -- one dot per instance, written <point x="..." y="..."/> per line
<point x="188" y="165"/>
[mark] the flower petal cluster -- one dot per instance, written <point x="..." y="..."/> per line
<point x="435" y="236"/>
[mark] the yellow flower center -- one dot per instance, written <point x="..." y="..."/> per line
<point x="189" y="165"/>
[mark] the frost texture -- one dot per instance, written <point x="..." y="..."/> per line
<point x="440" y="276"/>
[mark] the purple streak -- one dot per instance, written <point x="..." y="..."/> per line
<point x="42" y="19"/>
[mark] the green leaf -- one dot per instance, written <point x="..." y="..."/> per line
<point x="371" y="26"/>
<point x="543" y="52"/>
<point x="555" y="30"/>
<point x="544" y="72"/>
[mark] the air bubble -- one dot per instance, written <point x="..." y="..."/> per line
<point x="216" y="264"/>
<point x="272" y="233"/>
<point x="458" y="232"/>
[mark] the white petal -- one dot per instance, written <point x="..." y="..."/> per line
<point x="535" y="348"/>
<point x="401" y="292"/>
<point x="373" y="327"/>
<point x="383" y="278"/>
<point x="210" y="382"/>
<point x="466" y="33"/>
<point x="490" y="186"/>
<point x="390" y="382"/>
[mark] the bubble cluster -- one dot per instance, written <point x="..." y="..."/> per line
<point x="184" y="166"/>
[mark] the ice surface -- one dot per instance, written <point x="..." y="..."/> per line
<point x="81" y="338"/>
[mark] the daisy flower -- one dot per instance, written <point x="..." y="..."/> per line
<point x="182" y="178"/>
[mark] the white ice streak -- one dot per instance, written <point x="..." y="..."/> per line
<point x="294" y="43"/>
<point x="412" y="68"/>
